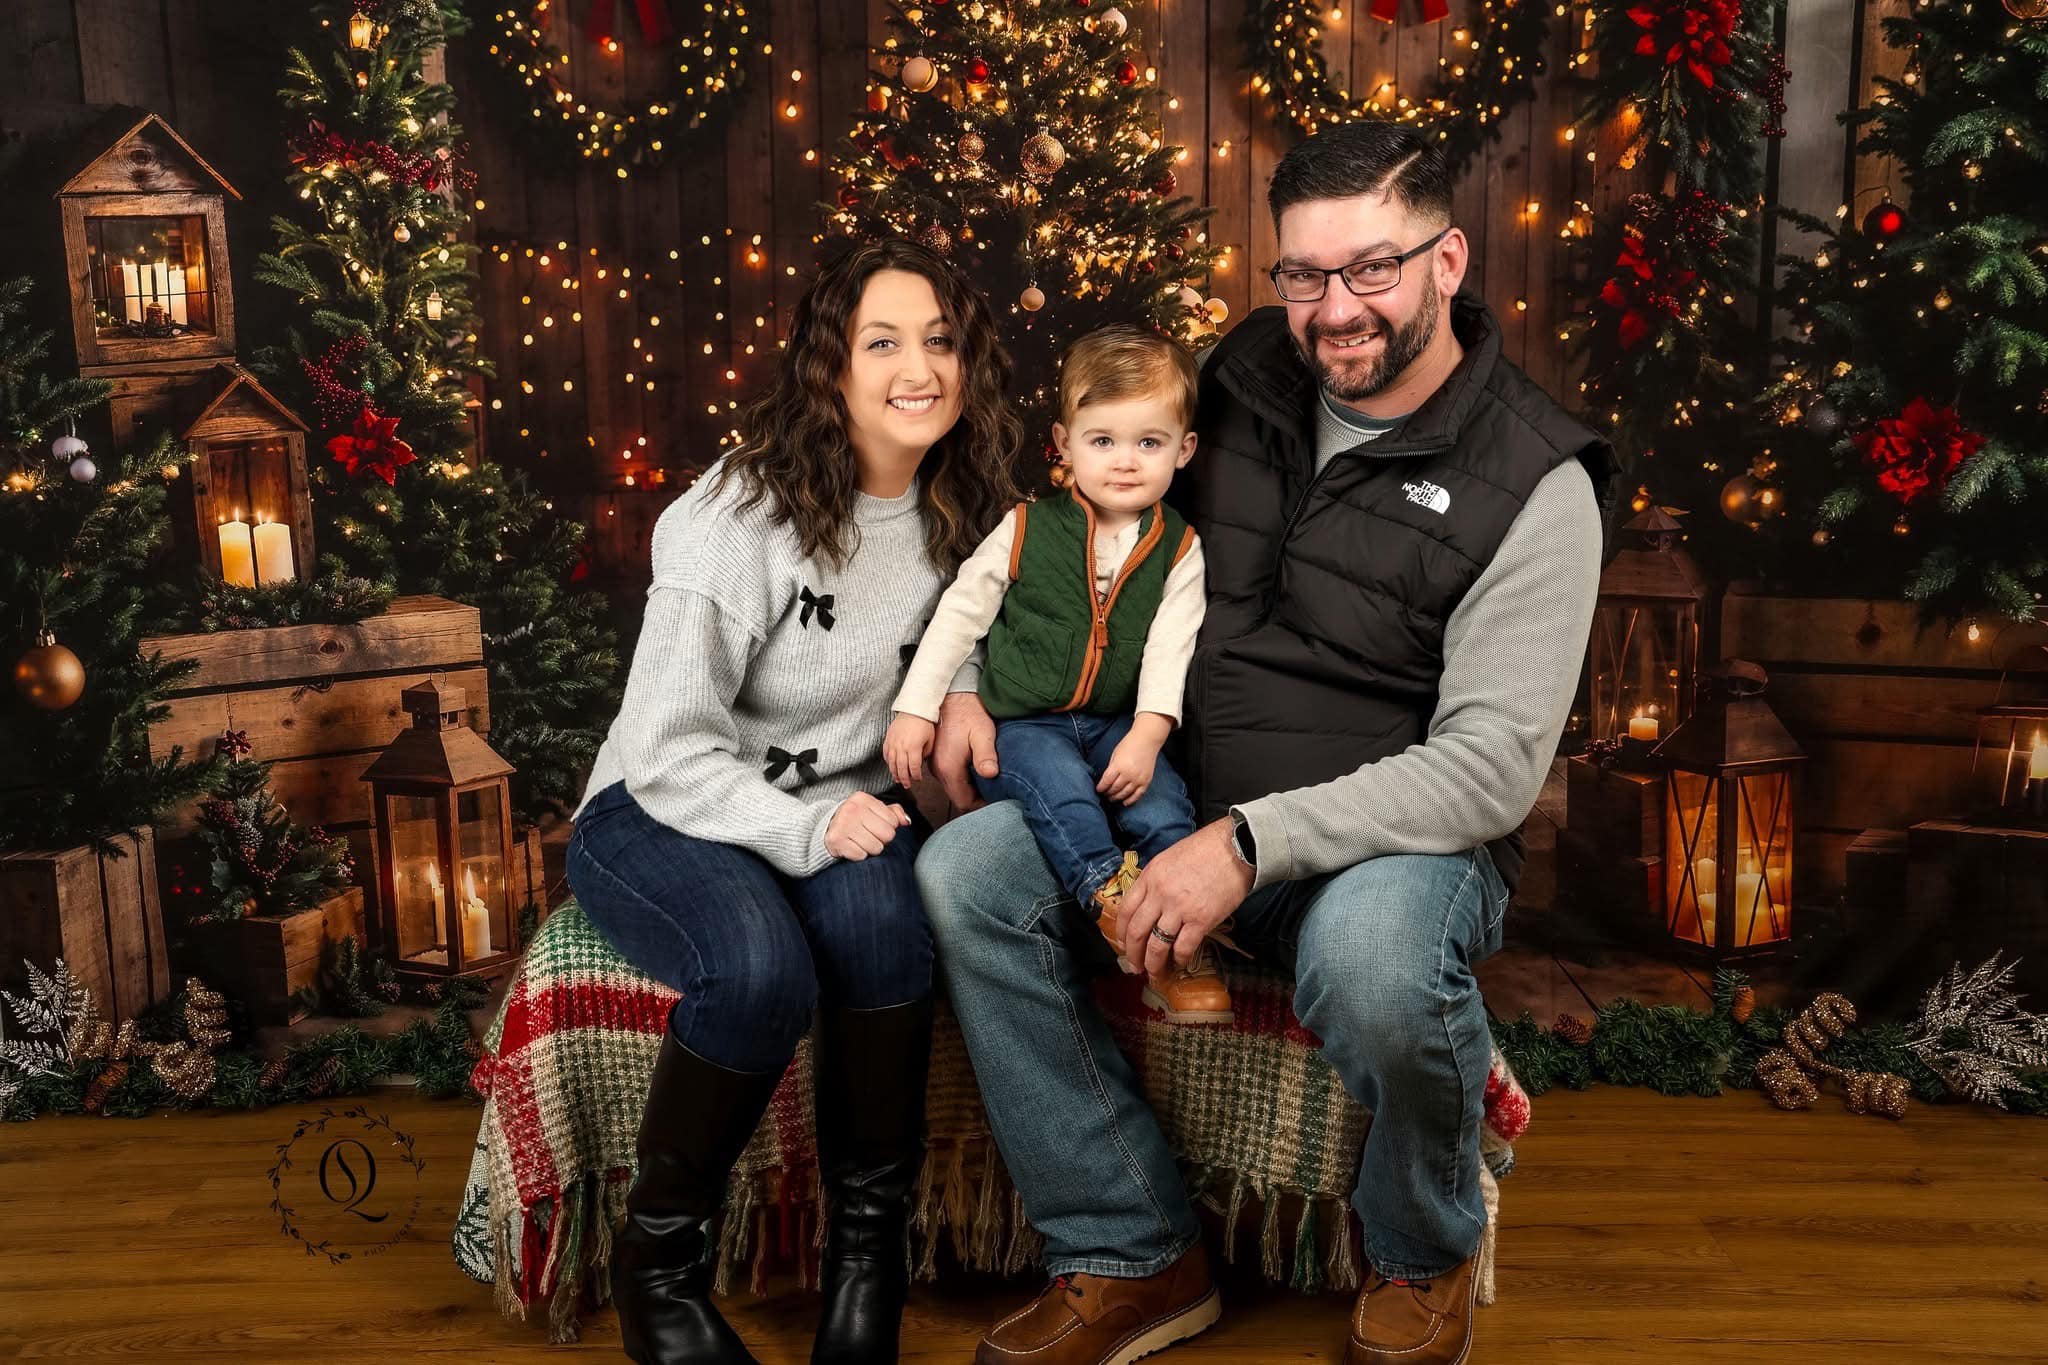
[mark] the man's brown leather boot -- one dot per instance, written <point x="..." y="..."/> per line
<point x="1414" y="1322"/>
<point x="1099" y="1320"/>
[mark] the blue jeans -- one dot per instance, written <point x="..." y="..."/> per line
<point x="1383" y="955"/>
<point x="1050" y="764"/>
<point x="751" y="950"/>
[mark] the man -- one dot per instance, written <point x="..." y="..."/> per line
<point x="1404" y="540"/>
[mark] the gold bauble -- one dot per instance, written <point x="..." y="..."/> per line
<point x="49" y="676"/>
<point x="1738" y="498"/>
<point x="920" y="74"/>
<point x="972" y="146"/>
<point x="1032" y="299"/>
<point x="1217" y="310"/>
<point x="2027" y="9"/>
<point x="1042" y="155"/>
<point x="935" y="237"/>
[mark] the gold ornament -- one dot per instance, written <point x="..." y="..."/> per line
<point x="1738" y="498"/>
<point x="1217" y="310"/>
<point x="401" y="233"/>
<point x="2027" y="9"/>
<point x="1780" y="1078"/>
<point x="878" y="99"/>
<point x="920" y="74"/>
<point x="1032" y="299"/>
<point x="935" y="237"/>
<point x="972" y="146"/>
<point x="1042" y="155"/>
<point x="49" y="676"/>
<point x="1806" y="1038"/>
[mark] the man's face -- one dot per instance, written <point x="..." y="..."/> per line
<point x="1358" y="345"/>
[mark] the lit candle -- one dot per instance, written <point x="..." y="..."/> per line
<point x="131" y="292"/>
<point x="177" y="297"/>
<point x="162" y="293"/>
<point x="273" y="541"/>
<point x="1705" y="926"/>
<point x="237" y="552"/>
<point x="2037" y="781"/>
<point x="1774" y="882"/>
<point x="476" y="919"/>
<point x="2037" y="766"/>
<point x="1749" y="905"/>
<point x="1641" y="726"/>
<point x="1706" y="874"/>
<point x="440" y="902"/>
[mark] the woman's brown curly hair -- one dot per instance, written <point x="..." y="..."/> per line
<point x="794" y="449"/>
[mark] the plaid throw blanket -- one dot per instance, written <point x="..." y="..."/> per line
<point x="1253" y="1110"/>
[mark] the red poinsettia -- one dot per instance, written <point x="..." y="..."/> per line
<point x="1642" y="289"/>
<point x="1694" y="32"/>
<point x="373" y="447"/>
<point x="1917" y="450"/>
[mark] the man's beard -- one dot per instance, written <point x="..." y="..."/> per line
<point x="1399" y="347"/>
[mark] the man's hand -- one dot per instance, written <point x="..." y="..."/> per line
<point x="966" y="734"/>
<point x="1186" y="892"/>
<point x="907" y="746"/>
<point x="861" y="826"/>
<point x="1129" y="771"/>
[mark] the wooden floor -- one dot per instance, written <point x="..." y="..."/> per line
<point x="1637" y="1228"/>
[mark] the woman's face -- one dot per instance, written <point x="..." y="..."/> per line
<point x="902" y="380"/>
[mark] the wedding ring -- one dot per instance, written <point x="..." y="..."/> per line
<point x="1163" y="938"/>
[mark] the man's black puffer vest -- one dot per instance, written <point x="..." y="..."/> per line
<point x="1328" y="594"/>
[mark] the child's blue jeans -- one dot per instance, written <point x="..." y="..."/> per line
<point x="1051" y="763"/>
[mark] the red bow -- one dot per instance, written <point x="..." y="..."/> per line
<point x="1387" y="11"/>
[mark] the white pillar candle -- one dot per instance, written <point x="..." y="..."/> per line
<point x="131" y="292"/>
<point x="237" y="553"/>
<point x="476" y="920"/>
<point x="2037" y="765"/>
<point x="1642" y="727"/>
<point x="160" y="294"/>
<point x="273" y="552"/>
<point x="1708" y="902"/>
<point x="177" y="299"/>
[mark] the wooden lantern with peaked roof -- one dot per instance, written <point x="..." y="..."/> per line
<point x="1646" y="632"/>
<point x="251" y="507"/>
<point x="146" y="253"/>
<point x="1728" y="819"/>
<point x="443" y="811"/>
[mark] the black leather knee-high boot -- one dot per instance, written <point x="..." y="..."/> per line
<point x="871" y="1070"/>
<point x="698" y="1119"/>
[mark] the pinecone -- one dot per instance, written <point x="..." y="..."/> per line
<point x="324" y="1077"/>
<point x="1573" y="1030"/>
<point x="1743" y="1005"/>
<point x="103" y="1084"/>
<point x="273" y="1073"/>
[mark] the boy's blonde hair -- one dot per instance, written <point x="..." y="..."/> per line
<point x="1125" y="361"/>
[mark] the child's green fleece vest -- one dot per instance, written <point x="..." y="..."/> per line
<point x="1054" y="647"/>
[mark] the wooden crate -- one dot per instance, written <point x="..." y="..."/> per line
<point x="261" y="960"/>
<point x="320" y="702"/>
<point x="1886" y="708"/>
<point x="99" y="913"/>
<point x="1615" y="809"/>
<point x="1972" y="890"/>
<point x="1622" y="890"/>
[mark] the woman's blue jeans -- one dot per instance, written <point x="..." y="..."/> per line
<point x="751" y="950"/>
<point x="1382" y="954"/>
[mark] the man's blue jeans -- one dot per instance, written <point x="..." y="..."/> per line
<point x="1383" y="955"/>
<point x="750" y="949"/>
<point x="1050" y="764"/>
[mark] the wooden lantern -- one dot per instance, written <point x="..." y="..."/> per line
<point x="250" y="507"/>
<point x="443" y="811"/>
<point x="1728" y="820"/>
<point x="2011" y="763"/>
<point x="146" y="253"/>
<point x="1646" y="634"/>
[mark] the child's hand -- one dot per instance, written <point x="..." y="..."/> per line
<point x="908" y="746"/>
<point x="1130" y="769"/>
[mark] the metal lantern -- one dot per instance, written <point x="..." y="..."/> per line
<point x="1646" y="636"/>
<point x="2010" y="763"/>
<point x="362" y="32"/>
<point x="1728" y="820"/>
<point x="443" y="811"/>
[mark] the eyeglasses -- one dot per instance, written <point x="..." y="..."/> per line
<point x="1306" y="284"/>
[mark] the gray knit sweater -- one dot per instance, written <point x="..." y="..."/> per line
<point x="760" y="687"/>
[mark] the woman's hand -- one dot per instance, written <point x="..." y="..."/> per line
<point x="1129" y="771"/>
<point x="908" y="746"/>
<point x="861" y="826"/>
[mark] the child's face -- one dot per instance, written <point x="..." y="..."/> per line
<point x="1123" y="453"/>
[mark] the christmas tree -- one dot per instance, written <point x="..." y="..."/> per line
<point x="1914" y="405"/>
<point x="1685" y="92"/>
<point x="259" y="860"/>
<point x="384" y="361"/>
<point x="78" y="536"/>
<point x="1020" y="140"/>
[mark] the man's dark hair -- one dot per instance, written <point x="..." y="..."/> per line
<point x="1367" y="157"/>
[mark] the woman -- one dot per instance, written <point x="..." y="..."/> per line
<point x="731" y="842"/>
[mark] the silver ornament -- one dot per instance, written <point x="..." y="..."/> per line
<point x="84" y="470"/>
<point x="67" y="447"/>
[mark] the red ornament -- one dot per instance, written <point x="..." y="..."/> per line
<point x="848" y="196"/>
<point x="977" y="72"/>
<point x="1126" y="72"/>
<point x="1918" y="450"/>
<point x="1165" y="185"/>
<point x="1692" y="32"/>
<point x="1884" y="222"/>
<point x="373" y="447"/>
<point x="897" y="161"/>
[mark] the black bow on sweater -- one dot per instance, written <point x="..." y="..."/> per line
<point x="780" y="759"/>
<point x="812" y="602"/>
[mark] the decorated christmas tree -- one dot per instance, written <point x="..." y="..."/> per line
<point x="383" y="362"/>
<point x="1684" y="93"/>
<point x="78" y="533"/>
<point x="1023" y="141"/>
<point x="1914" y="402"/>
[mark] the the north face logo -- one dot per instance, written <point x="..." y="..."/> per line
<point x="1421" y="491"/>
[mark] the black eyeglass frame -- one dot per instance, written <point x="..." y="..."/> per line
<point x="1276" y="272"/>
